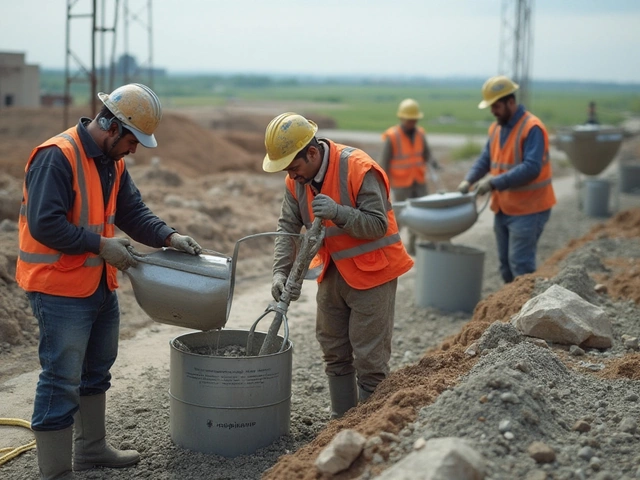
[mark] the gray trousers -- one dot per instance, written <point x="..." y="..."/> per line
<point x="354" y="328"/>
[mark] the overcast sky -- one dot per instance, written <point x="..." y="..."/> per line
<point x="585" y="40"/>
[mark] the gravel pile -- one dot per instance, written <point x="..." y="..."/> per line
<point x="520" y="393"/>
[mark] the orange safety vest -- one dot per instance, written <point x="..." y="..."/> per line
<point x="43" y="269"/>
<point x="363" y="264"/>
<point x="407" y="163"/>
<point x="537" y="195"/>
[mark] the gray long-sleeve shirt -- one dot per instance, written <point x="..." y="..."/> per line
<point x="49" y="183"/>
<point x="367" y="221"/>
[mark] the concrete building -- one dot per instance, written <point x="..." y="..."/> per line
<point x="19" y="82"/>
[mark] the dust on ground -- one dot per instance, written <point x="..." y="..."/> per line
<point x="218" y="201"/>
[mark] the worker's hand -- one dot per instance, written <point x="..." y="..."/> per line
<point x="184" y="244"/>
<point x="484" y="186"/>
<point x="324" y="207"/>
<point x="464" y="187"/>
<point x="435" y="165"/>
<point x="277" y="285"/>
<point x="114" y="252"/>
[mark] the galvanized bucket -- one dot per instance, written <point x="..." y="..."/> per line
<point x="449" y="277"/>
<point x="228" y="406"/>
<point x="596" y="197"/>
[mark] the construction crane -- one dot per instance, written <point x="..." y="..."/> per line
<point x="85" y="70"/>
<point x="515" y="44"/>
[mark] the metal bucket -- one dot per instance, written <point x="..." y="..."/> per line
<point x="228" y="406"/>
<point x="192" y="291"/>
<point x="449" y="277"/>
<point x="596" y="197"/>
<point x="590" y="148"/>
<point x="440" y="216"/>
<point x="629" y="177"/>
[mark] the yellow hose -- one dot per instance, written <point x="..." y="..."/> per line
<point x="9" y="453"/>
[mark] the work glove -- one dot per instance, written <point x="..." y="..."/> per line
<point x="464" y="187"/>
<point x="324" y="207"/>
<point x="277" y="288"/>
<point x="185" y="244"/>
<point x="484" y="186"/>
<point x="114" y="252"/>
<point x="435" y="165"/>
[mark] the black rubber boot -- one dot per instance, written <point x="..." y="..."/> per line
<point x="343" y="394"/>
<point x="91" y="448"/>
<point x="54" y="454"/>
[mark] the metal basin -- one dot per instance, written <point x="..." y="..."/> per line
<point x="440" y="216"/>
<point x="176" y="288"/>
<point x="590" y="148"/>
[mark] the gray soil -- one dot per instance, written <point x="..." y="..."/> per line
<point x="547" y="397"/>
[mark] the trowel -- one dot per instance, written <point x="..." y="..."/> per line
<point x="311" y="242"/>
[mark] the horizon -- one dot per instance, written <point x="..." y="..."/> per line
<point x="586" y="41"/>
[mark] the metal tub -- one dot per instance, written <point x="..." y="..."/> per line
<point x="228" y="406"/>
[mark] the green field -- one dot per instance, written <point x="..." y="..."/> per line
<point x="449" y="107"/>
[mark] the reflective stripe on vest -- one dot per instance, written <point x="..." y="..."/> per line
<point x="83" y="222"/>
<point x="345" y="199"/>
<point x="533" y="197"/>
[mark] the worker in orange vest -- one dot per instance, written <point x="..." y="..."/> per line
<point x="360" y="259"/>
<point x="405" y="156"/>
<point x="76" y="191"/>
<point x="516" y="157"/>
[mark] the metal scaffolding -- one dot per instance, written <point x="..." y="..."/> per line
<point x="101" y="26"/>
<point x="516" y="44"/>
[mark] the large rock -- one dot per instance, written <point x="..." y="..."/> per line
<point x="341" y="452"/>
<point x="561" y="316"/>
<point x="446" y="458"/>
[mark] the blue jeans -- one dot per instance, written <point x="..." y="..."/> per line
<point x="517" y="237"/>
<point x="78" y="345"/>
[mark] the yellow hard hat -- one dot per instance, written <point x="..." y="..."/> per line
<point x="138" y="108"/>
<point x="409" y="110"/>
<point x="285" y="136"/>
<point x="496" y="88"/>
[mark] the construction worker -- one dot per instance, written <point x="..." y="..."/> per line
<point x="76" y="191"/>
<point x="517" y="158"/>
<point x="361" y="257"/>
<point x="405" y="156"/>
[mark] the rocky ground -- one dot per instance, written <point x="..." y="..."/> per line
<point x="443" y="392"/>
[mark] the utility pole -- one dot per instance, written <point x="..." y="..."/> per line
<point x="515" y="45"/>
<point x="143" y="17"/>
<point x="98" y="31"/>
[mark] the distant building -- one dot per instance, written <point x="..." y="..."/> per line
<point x="19" y="82"/>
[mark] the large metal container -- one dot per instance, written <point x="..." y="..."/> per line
<point x="596" y="197"/>
<point x="228" y="406"/>
<point x="590" y="148"/>
<point x="630" y="177"/>
<point x="440" y="216"/>
<point x="192" y="291"/>
<point x="448" y="277"/>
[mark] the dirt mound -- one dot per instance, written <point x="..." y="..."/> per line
<point x="397" y="400"/>
<point x="183" y="145"/>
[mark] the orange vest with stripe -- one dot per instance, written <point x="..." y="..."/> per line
<point x="407" y="163"/>
<point x="363" y="264"/>
<point x="537" y="195"/>
<point x="43" y="269"/>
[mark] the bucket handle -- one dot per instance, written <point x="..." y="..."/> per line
<point x="486" y="202"/>
<point x="234" y="260"/>
<point x="269" y="309"/>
